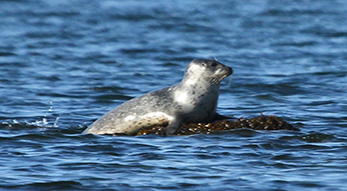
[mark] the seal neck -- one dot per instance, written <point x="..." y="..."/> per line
<point x="196" y="83"/>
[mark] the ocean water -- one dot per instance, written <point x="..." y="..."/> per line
<point x="65" y="63"/>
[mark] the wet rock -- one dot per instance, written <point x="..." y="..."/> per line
<point x="262" y="122"/>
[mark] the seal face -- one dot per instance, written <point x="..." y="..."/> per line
<point x="194" y="99"/>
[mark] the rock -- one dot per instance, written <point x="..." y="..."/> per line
<point x="262" y="122"/>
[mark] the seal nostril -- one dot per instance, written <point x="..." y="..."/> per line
<point x="214" y="64"/>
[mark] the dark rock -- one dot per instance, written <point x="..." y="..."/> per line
<point x="257" y="123"/>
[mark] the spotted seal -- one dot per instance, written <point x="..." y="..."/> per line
<point x="194" y="99"/>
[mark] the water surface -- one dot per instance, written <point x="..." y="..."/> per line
<point x="65" y="63"/>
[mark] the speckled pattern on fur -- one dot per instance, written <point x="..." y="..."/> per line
<point x="194" y="99"/>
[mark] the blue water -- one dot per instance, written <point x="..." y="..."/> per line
<point x="65" y="63"/>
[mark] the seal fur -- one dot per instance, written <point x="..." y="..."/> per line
<point x="194" y="99"/>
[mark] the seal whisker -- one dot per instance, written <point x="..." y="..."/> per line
<point x="229" y="83"/>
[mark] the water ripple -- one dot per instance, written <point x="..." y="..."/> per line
<point x="65" y="63"/>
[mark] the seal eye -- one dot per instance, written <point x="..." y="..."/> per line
<point x="214" y="64"/>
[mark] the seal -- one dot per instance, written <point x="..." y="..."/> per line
<point x="193" y="100"/>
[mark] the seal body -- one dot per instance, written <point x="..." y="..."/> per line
<point x="194" y="99"/>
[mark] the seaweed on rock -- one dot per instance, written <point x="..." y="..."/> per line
<point x="263" y="122"/>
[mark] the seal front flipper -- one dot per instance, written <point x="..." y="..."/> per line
<point x="174" y="126"/>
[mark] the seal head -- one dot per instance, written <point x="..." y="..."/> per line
<point x="194" y="99"/>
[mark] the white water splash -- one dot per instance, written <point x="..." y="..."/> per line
<point x="44" y="122"/>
